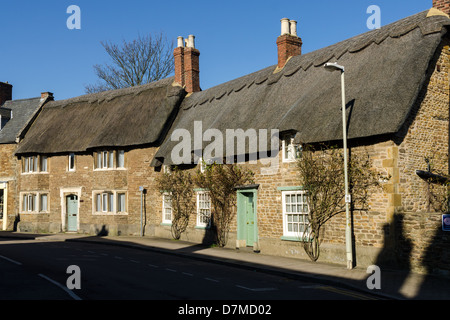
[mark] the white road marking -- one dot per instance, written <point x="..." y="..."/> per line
<point x="11" y="260"/>
<point x="153" y="266"/>
<point x="188" y="274"/>
<point x="171" y="270"/>
<point x="257" y="289"/>
<point x="69" y="292"/>
<point x="213" y="280"/>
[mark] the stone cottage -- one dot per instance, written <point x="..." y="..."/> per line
<point x="397" y="96"/>
<point x="85" y="163"/>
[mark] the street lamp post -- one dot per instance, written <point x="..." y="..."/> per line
<point x="348" y="232"/>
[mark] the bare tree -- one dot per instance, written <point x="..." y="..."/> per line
<point x="178" y="185"/>
<point x="140" y="61"/>
<point x="221" y="180"/>
<point x="321" y="173"/>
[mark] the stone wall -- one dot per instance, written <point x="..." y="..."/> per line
<point x="8" y="167"/>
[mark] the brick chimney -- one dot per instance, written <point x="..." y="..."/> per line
<point x="47" y="96"/>
<point x="288" y="43"/>
<point x="443" y="5"/>
<point x="178" y="55"/>
<point x="187" y="64"/>
<point x="5" y="92"/>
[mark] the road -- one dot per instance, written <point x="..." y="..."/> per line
<point x="34" y="269"/>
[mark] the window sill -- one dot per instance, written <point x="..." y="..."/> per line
<point x="35" y="212"/>
<point x="202" y="227"/>
<point x="96" y="213"/>
<point x="32" y="173"/>
<point x="169" y="224"/>
<point x="292" y="238"/>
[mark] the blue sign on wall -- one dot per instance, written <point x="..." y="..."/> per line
<point x="446" y="222"/>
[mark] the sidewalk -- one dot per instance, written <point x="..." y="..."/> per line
<point x="394" y="284"/>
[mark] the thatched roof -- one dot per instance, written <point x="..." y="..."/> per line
<point x="21" y="112"/>
<point x="384" y="71"/>
<point x="117" y="118"/>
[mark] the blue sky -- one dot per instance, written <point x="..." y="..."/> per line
<point x="39" y="53"/>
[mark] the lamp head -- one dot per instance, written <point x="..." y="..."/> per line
<point x="333" y="67"/>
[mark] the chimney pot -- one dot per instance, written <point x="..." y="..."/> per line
<point x="293" y="27"/>
<point x="285" y="28"/>
<point x="180" y="42"/>
<point x="191" y="41"/>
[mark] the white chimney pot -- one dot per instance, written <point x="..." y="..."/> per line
<point x="180" y="42"/>
<point x="285" y="28"/>
<point x="191" y="41"/>
<point x="293" y="25"/>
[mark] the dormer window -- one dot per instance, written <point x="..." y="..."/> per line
<point x="291" y="151"/>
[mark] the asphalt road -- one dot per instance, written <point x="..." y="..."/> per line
<point x="38" y="270"/>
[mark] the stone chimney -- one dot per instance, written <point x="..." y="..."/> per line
<point x="443" y="5"/>
<point x="288" y="43"/>
<point x="187" y="64"/>
<point x="5" y="92"/>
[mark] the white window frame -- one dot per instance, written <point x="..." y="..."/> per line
<point x="121" y="203"/>
<point x="201" y="206"/>
<point x="164" y="207"/>
<point x="43" y="163"/>
<point x="30" y="202"/>
<point x="71" y="162"/>
<point x="120" y="159"/>
<point x="34" y="164"/>
<point x="109" y="160"/>
<point x="30" y="164"/>
<point x="302" y="216"/>
<point x="106" y="202"/>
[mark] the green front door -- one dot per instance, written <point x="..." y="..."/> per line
<point x="250" y="219"/>
<point x="247" y="223"/>
<point x="72" y="212"/>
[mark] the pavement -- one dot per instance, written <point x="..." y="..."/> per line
<point x="395" y="284"/>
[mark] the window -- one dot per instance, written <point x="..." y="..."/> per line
<point x="104" y="202"/>
<point x="291" y="151"/>
<point x="295" y="213"/>
<point x="34" y="164"/>
<point x="30" y="164"/>
<point x="34" y="202"/>
<point x="43" y="202"/>
<point x="109" y="159"/>
<point x="120" y="159"/>
<point x="121" y="207"/>
<point x="203" y="209"/>
<point x="43" y="164"/>
<point x="72" y="162"/>
<point x="167" y="208"/>
<point x="109" y="202"/>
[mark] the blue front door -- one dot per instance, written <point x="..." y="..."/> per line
<point x="72" y="212"/>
